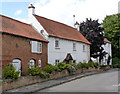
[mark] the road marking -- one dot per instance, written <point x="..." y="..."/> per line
<point x="117" y="85"/>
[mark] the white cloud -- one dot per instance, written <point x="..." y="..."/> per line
<point x="63" y="10"/>
<point x="22" y="20"/>
<point x="18" y="12"/>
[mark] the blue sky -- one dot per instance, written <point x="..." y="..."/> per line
<point x="15" y="9"/>
<point x="61" y="10"/>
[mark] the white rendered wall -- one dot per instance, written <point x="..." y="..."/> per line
<point x="66" y="46"/>
<point x="107" y="48"/>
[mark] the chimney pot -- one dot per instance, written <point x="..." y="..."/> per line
<point x="31" y="6"/>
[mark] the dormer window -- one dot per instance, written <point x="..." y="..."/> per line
<point x="56" y="43"/>
<point x="42" y="32"/>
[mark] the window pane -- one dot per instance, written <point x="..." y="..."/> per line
<point x="74" y="46"/>
<point x="83" y="47"/>
<point x="32" y="63"/>
<point x="56" y="43"/>
<point x="39" y="63"/>
<point x="39" y="47"/>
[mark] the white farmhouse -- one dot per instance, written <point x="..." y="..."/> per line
<point x="107" y="49"/>
<point x="65" y="42"/>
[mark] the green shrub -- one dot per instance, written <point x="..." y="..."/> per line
<point x="91" y="64"/>
<point x="73" y="64"/>
<point x="116" y="65"/>
<point x="50" y="68"/>
<point x="96" y="64"/>
<point x="115" y="60"/>
<point x="38" y="72"/>
<point x="34" y="71"/>
<point x="44" y="74"/>
<point x="62" y="66"/>
<point x="79" y="65"/>
<point x="71" y="69"/>
<point x="10" y="72"/>
<point x="84" y="65"/>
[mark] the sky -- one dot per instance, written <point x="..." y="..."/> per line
<point x="60" y="10"/>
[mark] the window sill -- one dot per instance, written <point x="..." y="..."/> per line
<point x="37" y="52"/>
<point x="57" y="48"/>
<point x="74" y="50"/>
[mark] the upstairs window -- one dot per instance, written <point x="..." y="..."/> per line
<point x="39" y="47"/>
<point x="83" y="48"/>
<point x="36" y="47"/>
<point x="56" y="43"/>
<point x="74" y="46"/>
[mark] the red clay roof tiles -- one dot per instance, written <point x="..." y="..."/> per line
<point x="15" y="27"/>
<point x="60" y="30"/>
<point x="105" y="40"/>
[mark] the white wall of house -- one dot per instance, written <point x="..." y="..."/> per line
<point x="65" y="47"/>
<point x="107" y="48"/>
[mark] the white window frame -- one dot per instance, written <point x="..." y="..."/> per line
<point x="58" y="45"/>
<point x="74" y="46"/>
<point x="35" y="47"/>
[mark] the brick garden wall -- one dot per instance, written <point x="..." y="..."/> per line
<point x="27" y="80"/>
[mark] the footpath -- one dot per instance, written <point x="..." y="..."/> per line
<point x="43" y="85"/>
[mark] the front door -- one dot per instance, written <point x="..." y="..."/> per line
<point x="17" y="64"/>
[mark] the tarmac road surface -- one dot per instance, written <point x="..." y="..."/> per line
<point x="104" y="82"/>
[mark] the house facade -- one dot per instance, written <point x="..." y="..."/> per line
<point x="18" y="40"/>
<point x="107" y="49"/>
<point x="66" y="44"/>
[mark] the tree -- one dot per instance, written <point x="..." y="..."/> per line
<point x="111" y="26"/>
<point x="93" y="32"/>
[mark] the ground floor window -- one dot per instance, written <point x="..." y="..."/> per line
<point x="39" y="63"/>
<point x="57" y="61"/>
<point x="74" y="61"/>
<point x="32" y="63"/>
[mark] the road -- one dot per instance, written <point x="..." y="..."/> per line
<point x="103" y="82"/>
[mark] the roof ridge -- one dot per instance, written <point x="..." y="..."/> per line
<point x="14" y="19"/>
<point x="56" y="21"/>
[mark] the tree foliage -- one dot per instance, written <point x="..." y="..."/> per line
<point x="93" y="32"/>
<point x="111" y="26"/>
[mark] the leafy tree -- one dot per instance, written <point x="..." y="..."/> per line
<point x="111" y="26"/>
<point x="93" y="32"/>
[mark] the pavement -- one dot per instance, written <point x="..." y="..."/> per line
<point x="43" y="85"/>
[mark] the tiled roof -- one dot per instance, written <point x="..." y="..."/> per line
<point x="15" y="27"/>
<point x="105" y="40"/>
<point x="60" y="30"/>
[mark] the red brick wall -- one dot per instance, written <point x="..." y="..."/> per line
<point x="14" y="47"/>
